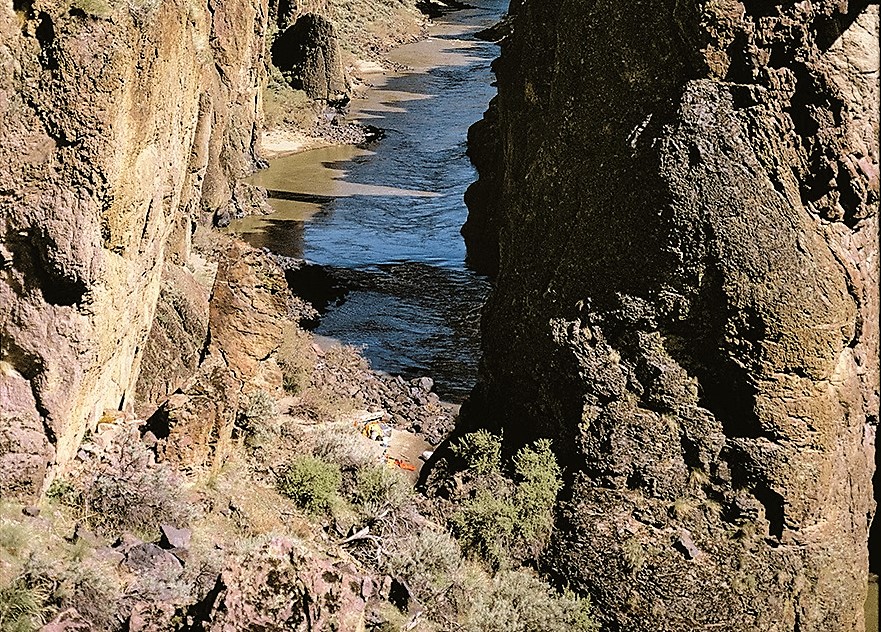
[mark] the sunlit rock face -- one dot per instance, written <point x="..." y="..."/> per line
<point x="683" y="201"/>
<point x="122" y="124"/>
<point x="308" y="55"/>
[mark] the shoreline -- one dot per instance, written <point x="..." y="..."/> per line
<point x="281" y="142"/>
<point x="368" y="77"/>
<point x="299" y="184"/>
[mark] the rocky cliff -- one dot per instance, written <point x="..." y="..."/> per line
<point x="124" y="123"/>
<point x="683" y="200"/>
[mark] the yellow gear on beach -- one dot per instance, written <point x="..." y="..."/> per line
<point x="373" y="430"/>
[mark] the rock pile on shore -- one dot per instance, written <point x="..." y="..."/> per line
<point x="405" y="404"/>
<point x="342" y="133"/>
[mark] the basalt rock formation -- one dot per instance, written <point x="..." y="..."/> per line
<point x="123" y="125"/>
<point x="683" y="197"/>
<point x="308" y="55"/>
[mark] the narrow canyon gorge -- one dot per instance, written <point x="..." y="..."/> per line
<point x="675" y="217"/>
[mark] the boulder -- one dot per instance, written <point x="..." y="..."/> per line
<point x="174" y="538"/>
<point x="283" y="585"/>
<point x="193" y="421"/>
<point x="148" y="558"/>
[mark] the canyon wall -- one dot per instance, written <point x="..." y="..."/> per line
<point x="679" y="202"/>
<point x="124" y="122"/>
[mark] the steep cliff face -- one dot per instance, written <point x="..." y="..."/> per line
<point x="684" y="201"/>
<point x="123" y="122"/>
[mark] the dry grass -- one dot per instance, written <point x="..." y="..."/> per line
<point x="95" y="8"/>
<point x="296" y="357"/>
<point x="44" y="571"/>
<point x="285" y="107"/>
<point x="258" y="420"/>
<point x="22" y="608"/>
<point x="240" y="503"/>
<point x="122" y="488"/>
<point x="369" y="27"/>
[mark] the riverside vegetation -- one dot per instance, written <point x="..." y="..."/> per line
<point x="680" y="365"/>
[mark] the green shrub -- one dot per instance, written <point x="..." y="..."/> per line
<point x="538" y="480"/>
<point x="378" y="487"/>
<point x="295" y="358"/>
<point x="21" y="607"/>
<point x="91" y="589"/>
<point x="63" y="491"/>
<point x="14" y="537"/>
<point x="518" y="601"/>
<point x="486" y="526"/>
<point x="123" y="488"/>
<point x="311" y="483"/>
<point x="481" y="451"/>
<point x="634" y="554"/>
<point x="258" y="419"/>
<point x="428" y="562"/>
<point x="339" y="443"/>
<point x="506" y="520"/>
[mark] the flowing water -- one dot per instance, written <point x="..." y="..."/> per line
<point x="384" y="222"/>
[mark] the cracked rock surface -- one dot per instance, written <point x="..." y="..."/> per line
<point x="122" y="125"/>
<point x="683" y="201"/>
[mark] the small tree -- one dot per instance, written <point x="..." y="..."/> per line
<point x="507" y="520"/>
<point x="538" y="480"/>
<point x="481" y="451"/>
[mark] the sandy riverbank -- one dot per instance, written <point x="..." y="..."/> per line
<point x="369" y="95"/>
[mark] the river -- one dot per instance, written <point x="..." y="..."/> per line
<point x="384" y="222"/>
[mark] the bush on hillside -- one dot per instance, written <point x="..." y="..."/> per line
<point x="379" y="488"/>
<point x="122" y="488"/>
<point x="486" y="526"/>
<point x="311" y="483"/>
<point x="481" y="452"/>
<point x="21" y="607"/>
<point x="295" y="357"/>
<point x="538" y="480"/>
<point x="258" y="420"/>
<point x="428" y="562"/>
<point x="518" y="601"/>
<point x="506" y="521"/>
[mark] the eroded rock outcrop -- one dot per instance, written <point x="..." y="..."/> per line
<point x="122" y="124"/>
<point x="177" y="339"/>
<point x="684" y="197"/>
<point x="245" y="320"/>
<point x="285" y="586"/>
<point x="308" y="55"/>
